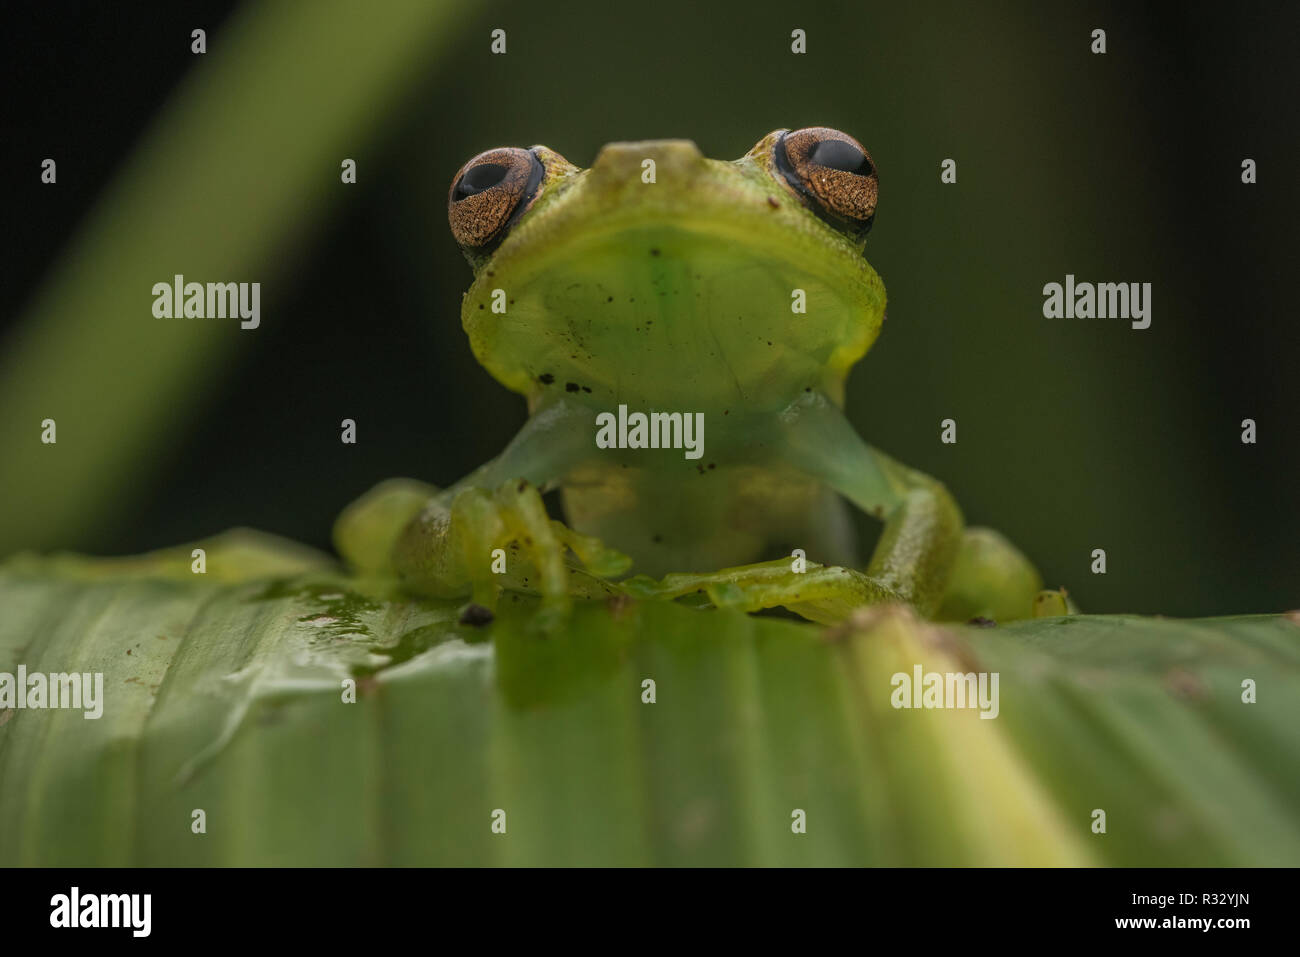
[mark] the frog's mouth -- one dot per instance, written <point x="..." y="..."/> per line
<point x="702" y="284"/>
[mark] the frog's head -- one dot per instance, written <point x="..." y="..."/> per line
<point x="661" y="278"/>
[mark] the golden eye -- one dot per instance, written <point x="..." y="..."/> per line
<point x="489" y="193"/>
<point x="832" y="173"/>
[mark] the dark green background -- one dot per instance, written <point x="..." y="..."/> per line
<point x="1073" y="434"/>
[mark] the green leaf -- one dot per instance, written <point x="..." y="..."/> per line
<point x="225" y="692"/>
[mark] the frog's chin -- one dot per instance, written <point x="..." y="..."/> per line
<point x="664" y="315"/>
<point x="675" y="357"/>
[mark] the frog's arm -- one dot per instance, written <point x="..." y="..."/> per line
<point x="488" y="531"/>
<point x="925" y="554"/>
<point x="924" y="557"/>
<point x="923" y="525"/>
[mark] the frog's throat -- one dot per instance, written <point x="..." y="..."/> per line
<point x="651" y="312"/>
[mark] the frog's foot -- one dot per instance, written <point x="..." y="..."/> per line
<point x="822" y="593"/>
<point x="485" y="541"/>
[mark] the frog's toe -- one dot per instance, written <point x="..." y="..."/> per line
<point x="991" y="579"/>
<point x="1053" y="603"/>
<point x="365" y="532"/>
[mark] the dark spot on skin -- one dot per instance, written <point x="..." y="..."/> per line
<point x="476" y="615"/>
<point x="128" y="651"/>
<point x="586" y="389"/>
<point x="523" y="485"/>
<point x="979" y="621"/>
<point x="546" y="378"/>
<point x="480" y="305"/>
<point x="769" y="342"/>
<point x="491" y="273"/>
<point x="771" y="201"/>
<point x="1185" y="684"/>
<point x="610" y="299"/>
<point x="571" y="387"/>
<point x="654" y="252"/>
<point x="807" y="388"/>
<point x="713" y="465"/>
<point x="879" y="512"/>
<point x="656" y="538"/>
<point x="726" y="411"/>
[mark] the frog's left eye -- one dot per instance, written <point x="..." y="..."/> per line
<point x="489" y="193"/>
<point x="832" y="173"/>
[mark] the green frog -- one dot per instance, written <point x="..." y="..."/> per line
<point x="681" y="328"/>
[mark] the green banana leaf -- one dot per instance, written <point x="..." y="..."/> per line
<point x="768" y="741"/>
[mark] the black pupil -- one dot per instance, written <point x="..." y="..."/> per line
<point x="836" y="154"/>
<point x="481" y="177"/>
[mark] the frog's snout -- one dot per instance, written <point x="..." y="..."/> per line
<point x="619" y="160"/>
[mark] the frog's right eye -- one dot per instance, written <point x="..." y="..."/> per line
<point x="490" y="193"/>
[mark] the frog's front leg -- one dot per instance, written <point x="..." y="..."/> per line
<point x="918" y="547"/>
<point x="490" y="530"/>
<point x="925" y="554"/>
<point x="914" y="559"/>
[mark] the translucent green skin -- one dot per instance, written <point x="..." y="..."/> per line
<point x="675" y="296"/>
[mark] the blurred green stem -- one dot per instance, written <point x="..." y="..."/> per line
<point x="242" y="160"/>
